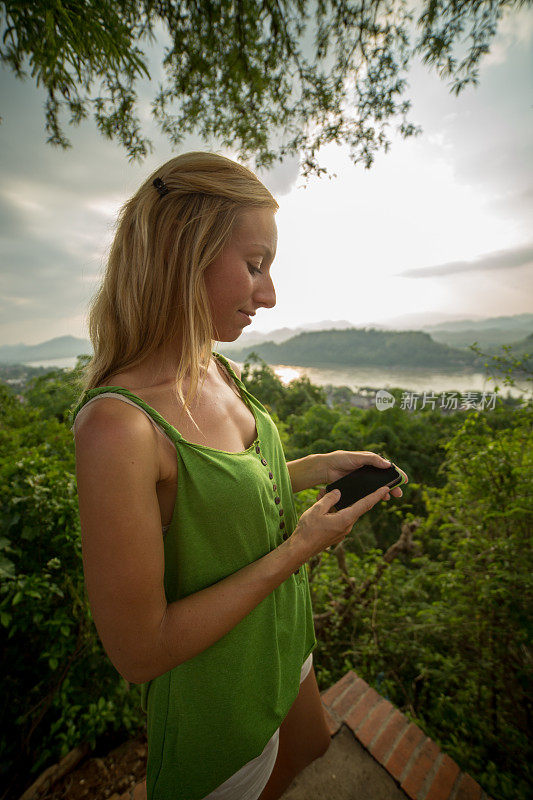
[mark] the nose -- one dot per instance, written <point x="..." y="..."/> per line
<point x="265" y="294"/>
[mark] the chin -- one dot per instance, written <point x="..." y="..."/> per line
<point x="227" y="336"/>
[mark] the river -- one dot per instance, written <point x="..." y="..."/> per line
<point x="360" y="378"/>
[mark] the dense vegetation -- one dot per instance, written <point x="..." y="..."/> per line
<point x="428" y="598"/>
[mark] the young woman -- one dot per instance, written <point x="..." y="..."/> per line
<point x="194" y="558"/>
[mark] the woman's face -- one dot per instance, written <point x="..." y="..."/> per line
<point x="238" y="282"/>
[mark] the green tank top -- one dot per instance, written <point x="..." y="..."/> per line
<point x="209" y="716"/>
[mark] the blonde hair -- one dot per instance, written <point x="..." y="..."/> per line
<point x="153" y="290"/>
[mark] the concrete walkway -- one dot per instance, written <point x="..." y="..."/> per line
<point x="346" y="772"/>
<point x="378" y="754"/>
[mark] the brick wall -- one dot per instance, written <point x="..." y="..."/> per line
<point x="418" y="765"/>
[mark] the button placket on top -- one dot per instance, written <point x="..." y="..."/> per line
<point x="277" y="499"/>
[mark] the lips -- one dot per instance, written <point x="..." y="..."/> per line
<point x="247" y="315"/>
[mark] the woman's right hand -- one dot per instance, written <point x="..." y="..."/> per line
<point x="318" y="528"/>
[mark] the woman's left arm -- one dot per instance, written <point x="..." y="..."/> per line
<point x="306" y="472"/>
<point x="325" y="468"/>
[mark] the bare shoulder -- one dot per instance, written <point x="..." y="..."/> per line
<point x="109" y="412"/>
<point x="114" y="429"/>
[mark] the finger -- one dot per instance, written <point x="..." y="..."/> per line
<point x="321" y="493"/>
<point x="377" y="461"/>
<point x="367" y="457"/>
<point x="397" y="492"/>
<point x="353" y="512"/>
<point x="328" y="500"/>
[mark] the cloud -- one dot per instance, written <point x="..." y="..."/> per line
<point x="501" y="259"/>
<point x="515" y="28"/>
<point x="461" y="189"/>
<point x="282" y="177"/>
<point x="485" y="134"/>
<point x="11" y="218"/>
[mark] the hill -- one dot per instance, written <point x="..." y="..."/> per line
<point x="60" y="347"/>
<point x="521" y="324"/>
<point x="489" y="333"/>
<point x="487" y="338"/>
<point x="357" y="347"/>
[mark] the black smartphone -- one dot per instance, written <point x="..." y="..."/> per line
<point x="363" y="481"/>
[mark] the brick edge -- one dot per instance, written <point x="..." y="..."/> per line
<point x="414" y="761"/>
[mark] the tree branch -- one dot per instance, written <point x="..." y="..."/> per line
<point x="353" y="594"/>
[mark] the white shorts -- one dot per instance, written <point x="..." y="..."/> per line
<point x="248" y="782"/>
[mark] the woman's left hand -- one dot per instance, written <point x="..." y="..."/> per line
<point x="341" y="462"/>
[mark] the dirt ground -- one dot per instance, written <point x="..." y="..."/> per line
<point x="346" y="771"/>
<point x="110" y="777"/>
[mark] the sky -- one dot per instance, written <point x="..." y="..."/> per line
<point x="439" y="227"/>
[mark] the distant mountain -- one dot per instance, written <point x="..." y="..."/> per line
<point x="520" y="323"/>
<point x="354" y="347"/>
<point x="487" y="338"/>
<point x="70" y="346"/>
<point x="249" y="338"/>
<point x="519" y="348"/>
<point x="60" y="347"/>
<point x="421" y="321"/>
<point x="490" y="332"/>
<point x="455" y="331"/>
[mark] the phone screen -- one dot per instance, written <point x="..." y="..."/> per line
<point x="364" y="481"/>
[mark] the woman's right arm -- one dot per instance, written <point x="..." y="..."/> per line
<point x="123" y="558"/>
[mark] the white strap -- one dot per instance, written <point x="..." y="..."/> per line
<point x="126" y="400"/>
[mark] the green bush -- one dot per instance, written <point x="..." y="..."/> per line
<point x="59" y="688"/>
<point x="444" y="633"/>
